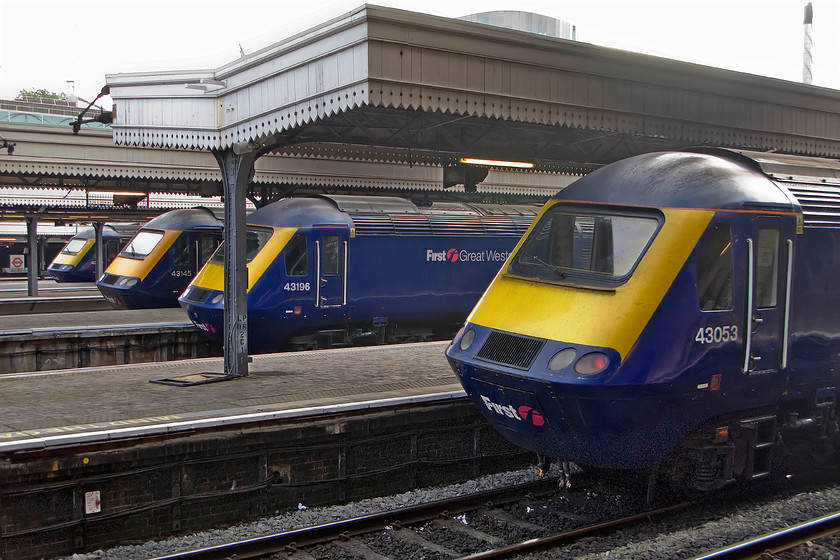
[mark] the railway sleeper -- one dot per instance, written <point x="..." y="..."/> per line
<point x="414" y="536"/>
<point x="360" y="549"/>
<point x="501" y="516"/>
<point x="457" y="526"/>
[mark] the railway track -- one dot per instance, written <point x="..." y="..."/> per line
<point x="472" y="527"/>
<point x="768" y="545"/>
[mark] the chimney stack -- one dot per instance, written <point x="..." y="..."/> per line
<point x="807" y="59"/>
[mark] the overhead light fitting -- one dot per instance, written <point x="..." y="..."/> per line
<point x="206" y="84"/>
<point x="104" y="117"/>
<point x="497" y="163"/>
<point x="117" y="193"/>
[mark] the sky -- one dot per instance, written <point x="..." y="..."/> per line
<point x="68" y="46"/>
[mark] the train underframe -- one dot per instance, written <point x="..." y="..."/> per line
<point x="378" y="332"/>
<point x="795" y="438"/>
<point x="749" y="446"/>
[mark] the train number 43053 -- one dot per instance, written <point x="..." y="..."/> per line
<point x="714" y="335"/>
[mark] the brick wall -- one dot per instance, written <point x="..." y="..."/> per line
<point x="157" y="488"/>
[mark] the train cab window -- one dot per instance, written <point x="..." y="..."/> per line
<point x="255" y="240"/>
<point x="331" y="258"/>
<point x="74" y="246"/>
<point x="583" y="248"/>
<point x="713" y="268"/>
<point x="142" y="244"/>
<point x="180" y="252"/>
<point x="767" y="268"/>
<point x="296" y="259"/>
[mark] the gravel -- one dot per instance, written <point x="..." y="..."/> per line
<point x="304" y="517"/>
<point x="712" y="527"/>
<point x="686" y="535"/>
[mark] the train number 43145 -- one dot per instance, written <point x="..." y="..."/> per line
<point x="715" y="335"/>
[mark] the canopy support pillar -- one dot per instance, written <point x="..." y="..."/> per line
<point x="34" y="262"/>
<point x="100" y="251"/>
<point x="237" y="165"/>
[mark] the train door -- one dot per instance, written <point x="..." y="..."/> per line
<point x="331" y="266"/>
<point x="183" y="257"/>
<point x="769" y="252"/>
<point x="112" y="247"/>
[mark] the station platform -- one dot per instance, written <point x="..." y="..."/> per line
<point x="35" y="342"/>
<point x="106" y="319"/>
<point x="93" y="457"/>
<point x="52" y="297"/>
<point x="48" y="409"/>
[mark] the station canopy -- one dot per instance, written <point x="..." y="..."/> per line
<point x="425" y="88"/>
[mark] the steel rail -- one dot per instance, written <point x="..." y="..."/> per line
<point x="778" y="541"/>
<point x="553" y="541"/>
<point x="290" y="540"/>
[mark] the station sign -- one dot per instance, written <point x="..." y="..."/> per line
<point x="16" y="263"/>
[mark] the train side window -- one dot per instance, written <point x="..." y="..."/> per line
<point x="713" y="267"/>
<point x="330" y="255"/>
<point x="296" y="258"/>
<point x="767" y="268"/>
<point x="111" y="250"/>
<point x="206" y="245"/>
<point x="181" y="252"/>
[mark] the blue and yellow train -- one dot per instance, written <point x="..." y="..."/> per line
<point x="76" y="262"/>
<point x="161" y="259"/>
<point x="672" y="311"/>
<point x="337" y="270"/>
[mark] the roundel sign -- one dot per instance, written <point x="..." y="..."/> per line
<point x="16" y="261"/>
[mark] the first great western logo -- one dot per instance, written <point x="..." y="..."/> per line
<point x="465" y="255"/>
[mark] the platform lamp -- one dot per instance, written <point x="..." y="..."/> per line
<point x="104" y="117"/>
<point x="9" y="146"/>
<point x="471" y="171"/>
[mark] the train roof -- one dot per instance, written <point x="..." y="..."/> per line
<point x="108" y="231"/>
<point x="375" y="215"/>
<point x="813" y="182"/>
<point x="186" y="219"/>
<point x="786" y="167"/>
<point x="720" y="180"/>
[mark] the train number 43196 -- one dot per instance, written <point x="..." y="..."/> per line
<point x="714" y="335"/>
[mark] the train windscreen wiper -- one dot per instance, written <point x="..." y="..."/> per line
<point x="555" y="269"/>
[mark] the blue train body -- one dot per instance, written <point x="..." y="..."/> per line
<point x="674" y="311"/>
<point x="161" y="259"/>
<point x="76" y="262"/>
<point x="327" y="271"/>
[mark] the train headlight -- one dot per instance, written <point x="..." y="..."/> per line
<point x="562" y="359"/>
<point x="131" y="282"/>
<point x="592" y="363"/>
<point x="467" y="339"/>
<point x="217" y="298"/>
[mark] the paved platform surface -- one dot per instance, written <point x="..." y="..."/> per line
<point x="91" y="319"/>
<point x="91" y="399"/>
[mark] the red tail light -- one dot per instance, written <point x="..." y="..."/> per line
<point x="592" y="363"/>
